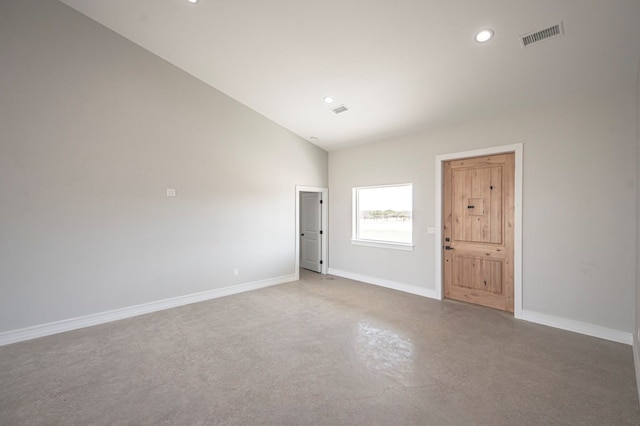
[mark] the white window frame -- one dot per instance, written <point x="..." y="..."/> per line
<point x="375" y="243"/>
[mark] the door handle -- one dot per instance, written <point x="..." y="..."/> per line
<point x="448" y="248"/>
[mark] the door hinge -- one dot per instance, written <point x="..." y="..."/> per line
<point x="321" y="262"/>
<point x="320" y="201"/>
<point x="320" y="232"/>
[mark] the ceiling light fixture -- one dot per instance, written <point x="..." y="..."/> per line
<point x="193" y="1"/>
<point x="484" y="36"/>
<point x="328" y="99"/>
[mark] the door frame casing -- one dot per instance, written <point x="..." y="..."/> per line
<point x="517" y="149"/>
<point x="325" y="227"/>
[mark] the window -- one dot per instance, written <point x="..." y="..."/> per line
<point x="382" y="216"/>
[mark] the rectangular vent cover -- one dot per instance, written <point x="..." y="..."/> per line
<point x="535" y="37"/>
<point x="340" y="109"/>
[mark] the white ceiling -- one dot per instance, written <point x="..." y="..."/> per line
<point x="400" y="66"/>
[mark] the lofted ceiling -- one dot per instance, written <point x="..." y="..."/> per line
<point x="399" y="66"/>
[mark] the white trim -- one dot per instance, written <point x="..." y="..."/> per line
<point x="70" y="324"/>
<point x="517" y="246"/>
<point x="578" y="327"/>
<point x="636" y="359"/>
<point x="354" y="220"/>
<point x="383" y="244"/>
<point x="381" y="282"/>
<point x="325" y="227"/>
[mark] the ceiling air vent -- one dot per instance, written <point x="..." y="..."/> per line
<point x="535" y="37"/>
<point x="340" y="109"/>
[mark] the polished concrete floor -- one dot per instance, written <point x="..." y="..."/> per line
<point x="323" y="350"/>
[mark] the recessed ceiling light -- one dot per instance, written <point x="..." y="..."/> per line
<point x="193" y="1"/>
<point x="484" y="36"/>
<point x="328" y="99"/>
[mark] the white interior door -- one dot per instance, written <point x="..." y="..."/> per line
<point x="310" y="230"/>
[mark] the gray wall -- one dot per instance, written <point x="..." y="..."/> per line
<point x="636" y="333"/>
<point x="93" y="129"/>
<point x="579" y="204"/>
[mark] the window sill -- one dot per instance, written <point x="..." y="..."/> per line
<point x="383" y="244"/>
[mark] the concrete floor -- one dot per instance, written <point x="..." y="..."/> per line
<point x="323" y="350"/>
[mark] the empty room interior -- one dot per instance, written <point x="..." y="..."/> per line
<point x="302" y="212"/>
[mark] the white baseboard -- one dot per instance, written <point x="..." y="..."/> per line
<point x="531" y="316"/>
<point x="48" y="329"/>
<point x="395" y="285"/>
<point x="578" y="327"/>
<point x="42" y="330"/>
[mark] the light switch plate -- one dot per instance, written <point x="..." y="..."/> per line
<point x="171" y="192"/>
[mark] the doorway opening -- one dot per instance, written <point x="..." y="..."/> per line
<point x="312" y="213"/>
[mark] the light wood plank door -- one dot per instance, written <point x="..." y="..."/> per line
<point x="478" y="230"/>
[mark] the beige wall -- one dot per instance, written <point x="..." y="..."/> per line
<point x="579" y="205"/>
<point x="93" y="129"/>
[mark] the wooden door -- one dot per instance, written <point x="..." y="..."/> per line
<point x="478" y="215"/>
